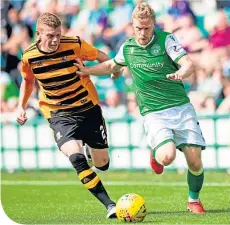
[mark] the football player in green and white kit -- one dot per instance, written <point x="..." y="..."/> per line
<point x="158" y="64"/>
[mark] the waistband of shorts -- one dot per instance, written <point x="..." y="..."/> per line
<point x="171" y="108"/>
<point x="73" y="110"/>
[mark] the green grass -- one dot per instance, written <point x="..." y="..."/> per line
<point x="68" y="202"/>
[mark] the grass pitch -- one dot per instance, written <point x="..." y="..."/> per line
<point x="59" y="198"/>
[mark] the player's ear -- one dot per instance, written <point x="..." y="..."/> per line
<point x="38" y="35"/>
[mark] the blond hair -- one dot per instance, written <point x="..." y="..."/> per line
<point x="49" y="19"/>
<point x="143" y="11"/>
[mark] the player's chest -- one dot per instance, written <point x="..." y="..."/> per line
<point x="45" y="64"/>
<point x="155" y="53"/>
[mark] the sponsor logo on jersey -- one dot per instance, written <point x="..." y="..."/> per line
<point x="141" y="65"/>
<point x="38" y="62"/>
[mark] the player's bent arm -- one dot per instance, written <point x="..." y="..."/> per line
<point x="26" y="89"/>
<point x="187" y="67"/>
<point x="100" y="69"/>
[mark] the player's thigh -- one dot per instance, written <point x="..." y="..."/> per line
<point x="193" y="157"/>
<point x="100" y="157"/>
<point x="67" y="134"/>
<point x="95" y="132"/>
<point x="188" y="131"/>
<point x="158" y="132"/>
<point x="71" y="147"/>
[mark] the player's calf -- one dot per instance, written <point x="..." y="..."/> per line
<point x="90" y="179"/>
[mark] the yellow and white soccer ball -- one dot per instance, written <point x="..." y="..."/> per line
<point x="131" y="208"/>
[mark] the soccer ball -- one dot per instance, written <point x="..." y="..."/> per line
<point x="131" y="208"/>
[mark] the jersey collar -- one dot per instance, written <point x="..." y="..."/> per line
<point x="46" y="53"/>
<point x="144" y="46"/>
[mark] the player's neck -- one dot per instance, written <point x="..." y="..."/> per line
<point x="44" y="50"/>
<point x="147" y="43"/>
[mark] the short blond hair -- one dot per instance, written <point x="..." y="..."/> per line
<point x="143" y="11"/>
<point x="49" y="19"/>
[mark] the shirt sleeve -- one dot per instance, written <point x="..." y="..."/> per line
<point x="119" y="59"/>
<point x="88" y="52"/>
<point x="26" y="71"/>
<point x="173" y="48"/>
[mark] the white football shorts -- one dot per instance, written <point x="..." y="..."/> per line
<point x="178" y="124"/>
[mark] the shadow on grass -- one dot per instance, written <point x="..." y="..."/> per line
<point x="158" y="220"/>
<point x="167" y="212"/>
<point x="218" y="210"/>
<point x="185" y="212"/>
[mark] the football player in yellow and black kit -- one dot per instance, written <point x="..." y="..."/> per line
<point x="69" y="102"/>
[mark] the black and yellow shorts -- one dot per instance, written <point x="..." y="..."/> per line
<point x="88" y="126"/>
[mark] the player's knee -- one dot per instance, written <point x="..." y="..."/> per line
<point x="168" y="158"/>
<point x="104" y="167"/>
<point x="166" y="153"/>
<point x="79" y="162"/>
<point x="195" y="165"/>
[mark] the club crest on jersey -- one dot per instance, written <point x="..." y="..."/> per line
<point x="155" y="50"/>
<point x="131" y="50"/>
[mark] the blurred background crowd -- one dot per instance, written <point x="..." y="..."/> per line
<point x="202" y="27"/>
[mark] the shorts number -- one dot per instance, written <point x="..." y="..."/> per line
<point x="102" y="132"/>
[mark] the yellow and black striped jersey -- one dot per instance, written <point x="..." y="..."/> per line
<point x="61" y="89"/>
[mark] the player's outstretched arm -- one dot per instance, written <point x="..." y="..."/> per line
<point x="100" y="69"/>
<point x="186" y="70"/>
<point x="102" y="57"/>
<point x="25" y="92"/>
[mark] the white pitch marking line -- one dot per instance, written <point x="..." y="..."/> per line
<point x="111" y="183"/>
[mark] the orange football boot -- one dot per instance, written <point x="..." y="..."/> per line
<point x="196" y="207"/>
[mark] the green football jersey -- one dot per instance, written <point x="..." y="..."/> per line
<point x="149" y="66"/>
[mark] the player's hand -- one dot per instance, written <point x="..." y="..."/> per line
<point x="116" y="75"/>
<point x="174" y="76"/>
<point x="82" y="71"/>
<point x="21" y="118"/>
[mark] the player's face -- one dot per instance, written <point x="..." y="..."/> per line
<point x="49" y="38"/>
<point x="143" y="30"/>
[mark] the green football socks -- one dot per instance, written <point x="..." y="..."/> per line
<point x="195" y="181"/>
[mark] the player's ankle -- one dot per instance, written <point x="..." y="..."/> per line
<point x="193" y="200"/>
